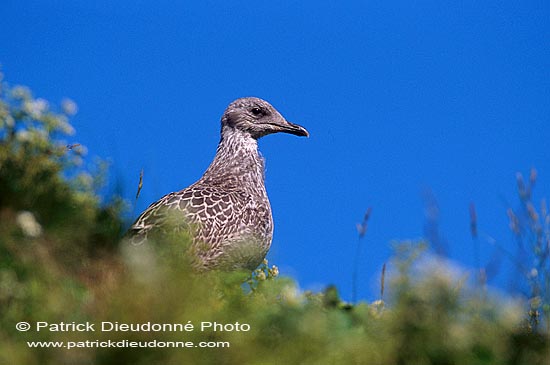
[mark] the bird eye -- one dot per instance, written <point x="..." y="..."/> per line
<point x="256" y="111"/>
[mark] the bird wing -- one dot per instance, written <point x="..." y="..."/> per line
<point x="205" y="210"/>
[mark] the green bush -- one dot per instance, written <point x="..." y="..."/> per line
<point x="62" y="260"/>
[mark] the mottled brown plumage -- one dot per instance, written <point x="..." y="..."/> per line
<point x="227" y="210"/>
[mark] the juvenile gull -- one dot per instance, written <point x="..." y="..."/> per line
<point x="227" y="210"/>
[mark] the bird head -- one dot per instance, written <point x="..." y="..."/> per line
<point x="258" y="118"/>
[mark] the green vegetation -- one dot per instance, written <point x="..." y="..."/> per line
<point x="62" y="260"/>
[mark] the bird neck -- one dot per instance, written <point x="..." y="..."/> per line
<point x="237" y="163"/>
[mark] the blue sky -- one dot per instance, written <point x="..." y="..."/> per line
<point x="400" y="97"/>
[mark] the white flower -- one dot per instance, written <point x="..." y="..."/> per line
<point x="23" y="136"/>
<point x="291" y="295"/>
<point x="64" y="126"/>
<point x="69" y="107"/>
<point x="28" y="224"/>
<point x="20" y="92"/>
<point x="36" y="108"/>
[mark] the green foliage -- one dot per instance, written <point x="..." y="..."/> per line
<point x="61" y="260"/>
<point x="35" y="163"/>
